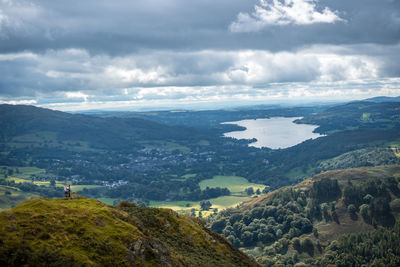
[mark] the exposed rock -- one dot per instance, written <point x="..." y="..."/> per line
<point x="151" y="250"/>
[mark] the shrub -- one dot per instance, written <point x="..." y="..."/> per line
<point x="351" y="209"/>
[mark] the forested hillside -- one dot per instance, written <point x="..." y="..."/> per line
<point x="301" y="223"/>
<point x="99" y="133"/>
<point x="356" y="115"/>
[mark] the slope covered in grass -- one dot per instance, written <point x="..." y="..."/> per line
<point x="86" y="232"/>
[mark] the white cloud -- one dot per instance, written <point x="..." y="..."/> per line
<point x="14" y="56"/>
<point x="74" y="95"/>
<point x="283" y="12"/>
<point x="76" y="76"/>
<point x="19" y="102"/>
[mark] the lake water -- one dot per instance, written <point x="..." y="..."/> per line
<point x="276" y="132"/>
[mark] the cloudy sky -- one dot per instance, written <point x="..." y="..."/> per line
<point x="131" y="54"/>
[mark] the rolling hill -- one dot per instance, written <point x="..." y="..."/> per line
<point x="298" y="224"/>
<point x="85" y="232"/>
<point x="356" y="115"/>
<point x="19" y="122"/>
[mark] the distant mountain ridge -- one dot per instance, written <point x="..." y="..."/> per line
<point x="112" y="133"/>
<point x="380" y="99"/>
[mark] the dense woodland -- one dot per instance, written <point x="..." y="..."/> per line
<point x="375" y="248"/>
<point x="285" y="226"/>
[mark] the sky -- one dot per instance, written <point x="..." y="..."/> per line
<point x="136" y="54"/>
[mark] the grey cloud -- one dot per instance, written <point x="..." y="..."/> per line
<point x="123" y="27"/>
<point x="98" y="50"/>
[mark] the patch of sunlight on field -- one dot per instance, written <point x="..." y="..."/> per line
<point x="219" y="203"/>
<point x="396" y="151"/>
<point x="176" y="205"/>
<point x="235" y="184"/>
<point x="227" y="201"/>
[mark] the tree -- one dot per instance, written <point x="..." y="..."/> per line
<point x="307" y="246"/>
<point x="193" y="212"/>
<point x="247" y="238"/>
<point x="249" y="191"/>
<point x="368" y="199"/>
<point x="364" y="209"/>
<point x="205" y="205"/>
<point x="351" y="209"/>
<point x="218" y="226"/>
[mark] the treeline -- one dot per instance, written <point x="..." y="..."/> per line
<point x="158" y="190"/>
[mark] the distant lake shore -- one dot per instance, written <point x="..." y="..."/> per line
<point x="274" y="133"/>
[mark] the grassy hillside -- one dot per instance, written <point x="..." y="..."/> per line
<point x="86" y="232"/>
<point x="356" y="115"/>
<point x="362" y="157"/>
<point x="299" y="224"/>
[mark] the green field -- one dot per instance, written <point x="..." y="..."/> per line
<point x="169" y="146"/>
<point x="366" y="117"/>
<point x="184" y="177"/>
<point x="219" y="203"/>
<point x="235" y="184"/>
<point x="79" y="187"/>
<point x="298" y="172"/>
<point x="189" y="175"/>
<point x="227" y="201"/>
<point x="74" y="188"/>
<point x="175" y="205"/>
<point x="23" y="172"/>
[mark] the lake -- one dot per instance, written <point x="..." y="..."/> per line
<point x="276" y="132"/>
